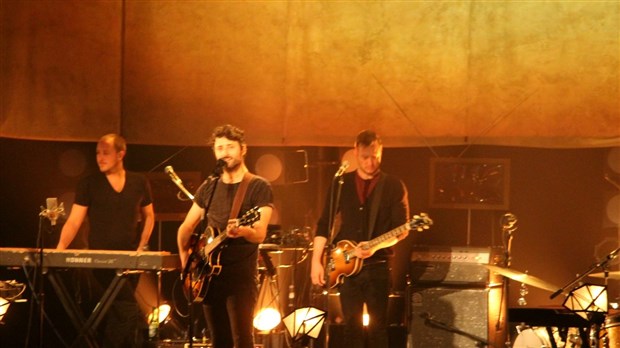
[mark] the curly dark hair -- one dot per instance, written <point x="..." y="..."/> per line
<point x="229" y="132"/>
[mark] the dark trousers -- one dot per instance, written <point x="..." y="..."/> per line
<point x="229" y="312"/>
<point x="121" y="327"/>
<point x="370" y="286"/>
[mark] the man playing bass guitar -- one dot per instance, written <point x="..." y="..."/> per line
<point x="229" y="301"/>
<point x="372" y="203"/>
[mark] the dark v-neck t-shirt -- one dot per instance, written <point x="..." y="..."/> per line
<point x="113" y="216"/>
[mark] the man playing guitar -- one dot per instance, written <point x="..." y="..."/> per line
<point x="232" y="293"/>
<point x="371" y="204"/>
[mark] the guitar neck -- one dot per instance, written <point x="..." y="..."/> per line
<point x="388" y="235"/>
<point x="219" y="239"/>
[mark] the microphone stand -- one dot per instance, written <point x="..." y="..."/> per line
<point x="40" y="290"/>
<point x="214" y="178"/>
<point x="594" y="321"/>
<point x="334" y="205"/>
<point x="509" y="222"/>
<point x="52" y="213"/>
<point x="603" y="265"/>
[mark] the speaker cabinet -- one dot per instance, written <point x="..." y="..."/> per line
<point x="446" y="317"/>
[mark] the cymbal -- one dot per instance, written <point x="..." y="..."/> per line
<point x="610" y="275"/>
<point x="523" y="278"/>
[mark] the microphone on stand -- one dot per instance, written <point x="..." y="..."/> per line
<point x="343" y="168"/>
<point x="509" y="220"/>
<point x="53" y="210"/>
<point x="219" y="167"/>
<point x="175" y="178"/>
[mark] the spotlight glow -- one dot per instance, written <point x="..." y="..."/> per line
<point x="267" y="319"/>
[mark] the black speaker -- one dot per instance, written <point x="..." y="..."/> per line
<point x="445" y="317"/>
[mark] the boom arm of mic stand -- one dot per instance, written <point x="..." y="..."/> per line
<point x="592" y="268"/>
<point x="443" y="326"/>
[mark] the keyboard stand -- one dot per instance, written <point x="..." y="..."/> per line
<point x="87" y="328"/>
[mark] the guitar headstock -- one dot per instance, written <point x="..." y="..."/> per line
<point x="250" y="217"/>
<point x="420" y="222"/>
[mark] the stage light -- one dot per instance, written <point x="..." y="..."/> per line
<point x="160" y="313"/>
<point x="267" y="312"/>
<point x="302" y="322"/>
<point x="4" y="307"/>
<point x="365" y="316"/>
<point x="10" y="291"/>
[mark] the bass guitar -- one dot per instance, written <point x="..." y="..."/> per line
<point x="342" y="261"/>
<point x="204" y="260"/>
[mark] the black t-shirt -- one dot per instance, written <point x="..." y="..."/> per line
<point x="113" y="216"/>
<point x="234" y="251"/>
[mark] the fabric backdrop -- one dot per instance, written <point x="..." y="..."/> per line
<point x="294" y="73"/>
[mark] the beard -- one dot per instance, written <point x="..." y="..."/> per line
<point x="233" y="166"/>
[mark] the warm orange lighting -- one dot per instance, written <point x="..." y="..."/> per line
<point x="4" y="307"/>
<point x="267" y="313"/>
<point x="302" y="322"/>
<point x="365" y="316"/>
<point x="160" y="313"/>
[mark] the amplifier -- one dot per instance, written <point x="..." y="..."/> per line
<point x="450" y="265"/>
<point x="448" y="317"/>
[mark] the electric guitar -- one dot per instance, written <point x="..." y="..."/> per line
<point x="342" y="261"/>
<point x="204" y="260"/>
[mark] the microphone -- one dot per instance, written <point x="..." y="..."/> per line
<point x="170" y="171"/>
<point x="613" y="254"/>
<point x="53" y="210"/>
<point x="219" y="166"/>
<point x="343" y="168"/>
<point x="509" y="220"/>
<point x="175" y="178"/>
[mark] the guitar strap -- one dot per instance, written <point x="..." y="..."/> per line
<point x="240" y="194"/>
<point x="374" y="208"/>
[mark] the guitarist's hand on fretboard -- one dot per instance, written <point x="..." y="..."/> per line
<point x="233" y="230"/>
<point x="236" y="230"/>
<point x="363" y="251"/>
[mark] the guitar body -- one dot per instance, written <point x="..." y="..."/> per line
<point x="200" y="270"/>
<point x="204" y="258"/>
<point x="343" y="263"/>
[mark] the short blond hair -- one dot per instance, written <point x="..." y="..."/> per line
<point x="120" y="144"/>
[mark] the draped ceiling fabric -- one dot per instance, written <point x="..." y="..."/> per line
<point x="297" y="73"/>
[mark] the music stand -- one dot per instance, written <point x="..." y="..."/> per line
<point x="303" y="322"/>
<point x="588" y="301"/>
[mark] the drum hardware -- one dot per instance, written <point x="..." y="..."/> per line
<point x="600" y="265"/>
<point x="547" y="337"/>
<point x="523" y="291"/>
<point x="609" y="275"/>
<point x="297" y="237"/>
<point x="533" y="337"/>
<point x="509" y="225"/>
<point x="573" y="338"/>
<point x="609" y="335"/>
<point x="591" y="303"/>
<point x="593" y="337"/>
